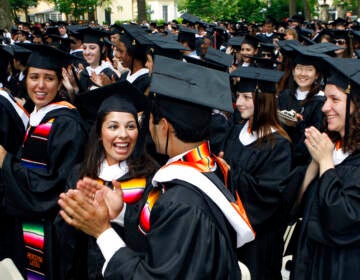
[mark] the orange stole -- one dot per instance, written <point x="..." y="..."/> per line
<point x="133" y="189"/>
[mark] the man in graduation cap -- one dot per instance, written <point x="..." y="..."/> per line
<point x="189" y="219"/>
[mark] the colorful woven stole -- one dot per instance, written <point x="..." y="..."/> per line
<point x="34" y="156"/>
<point x="132" y="189"/>
<point x="34" y="247"/>
<point x="199" y="157"/>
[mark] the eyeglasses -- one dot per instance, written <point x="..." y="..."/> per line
<point x="340" y="42"/>
<point x="266" y="54"/>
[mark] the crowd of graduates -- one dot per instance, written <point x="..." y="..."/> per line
<point x="190" y="150"/>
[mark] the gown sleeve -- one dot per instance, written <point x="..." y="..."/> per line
<point x="335" y="216"/>
<point x="34" y="192"/>
<point x="183" y="243"/>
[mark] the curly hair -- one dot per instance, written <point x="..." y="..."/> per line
<point x="352" y="143"/>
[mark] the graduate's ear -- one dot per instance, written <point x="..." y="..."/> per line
<point x="164" y="126"/>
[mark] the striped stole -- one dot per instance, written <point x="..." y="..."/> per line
<point x="200" y="157"/>
<point x="132" y="189"/>
<point x="34" y="249"/>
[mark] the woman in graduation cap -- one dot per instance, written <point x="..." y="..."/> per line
<point x="300" y="104"/>
<point x="98" y="72"/>
<point x="115" y="151"/>
<point x="258" y="151"/>
<point x="132" y="52"/>
<point x="245" y="48"/>
<point x="328" y="246"/>
<point x="37" y="174"/>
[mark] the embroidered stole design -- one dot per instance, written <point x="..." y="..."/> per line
<point x="34" y="248"/>
<point x="132" y="189"/>
<point x="199" y="157"/>
<point x="36" y="139"/>
<point x="34" y="156"/>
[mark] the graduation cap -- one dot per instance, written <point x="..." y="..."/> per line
<point x="218" y="57"/>
<point x="166" y="46"/>
<point x="287" y="47"/>
<point x="186" y="98"/>
<point x="305" y="36"/>
<point x="339" y="21"/>
<point x="236" y="42"/>
<point x="189" y="18"/>
<point x="20" y="51"/>
<point x="121" y="96"/>
<point x="51" y="30"/>
<point x="74" y="31"/>
<point x="186" y="93"/>
<point x="256" y="78"/>
<point x="258" y="81"/>
<point x="6" y="51"/>
<point x="186" y="34"/>
<point x="62" y="23"/>
<point x="297" y="18"/>
<point x="264" y="62"/>
<point x="326" y="34"/>
<point x="344" y="73"/>
<point x="326" y="48"/>
<point x="136" y="41"/>
<point x="267" y="48"/>
<point x="251" y="40"/>
<point x="205" y="63"/>
<point x="93" y="35"/>
<point x="46" y="57"/>
<point x="306" y="56"/>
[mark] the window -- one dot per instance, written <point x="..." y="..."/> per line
<point x="165" y="13"/>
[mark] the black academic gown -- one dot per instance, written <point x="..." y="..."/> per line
<point x="141" y="83"/>
<point x="192" y="235"/>
<point x="12" y="133"/>
<point x="329" y="242"/>
<point x="31" y="194"/>
<point x="258" y="174"/>
<point x="81" y="258"/>
<point x="313" y="116"/>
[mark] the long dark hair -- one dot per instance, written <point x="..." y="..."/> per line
<point x="267" y="118"/>
<point x="140" y="164"/>
<point x="352" y="143"/>
<point x="314" y="89"/>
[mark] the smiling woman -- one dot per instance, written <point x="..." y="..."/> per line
<point x="330" y="194"/>
<point x="33" y="181"/>
<point x="114" y="152"/>
<point x="304" y="96"/>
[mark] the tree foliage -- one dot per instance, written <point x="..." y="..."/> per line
<point x="76" y="8"/>
<point x="22" y="5"/>
<point x="251" y="10"/>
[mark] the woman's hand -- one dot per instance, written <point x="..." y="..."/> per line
<point x="113" y="197"/>
<point x="90" y="217"/>
<point x="69" y="81"/>
<point x="320" y="148"/>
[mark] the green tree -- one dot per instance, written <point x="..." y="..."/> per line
<point x="76" y="8"/>
<point x="5" y="20"/>
<point x="22" y="5"/>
